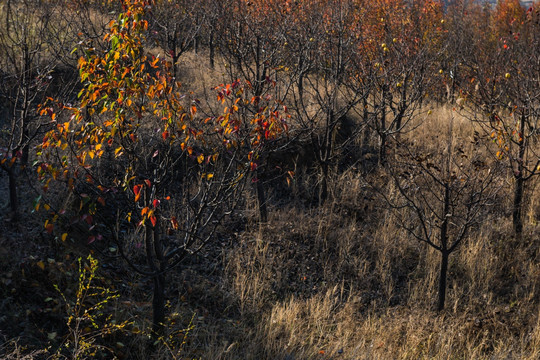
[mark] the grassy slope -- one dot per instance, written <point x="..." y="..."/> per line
<point x="341" y="281"/>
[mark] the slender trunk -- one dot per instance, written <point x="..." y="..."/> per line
<point x="382" y="129"/>
<point x="323" y="189"/>
<point x="519" y="189"/>
<point x="444" y="248"/>
<point x="442" y="280"/>
<point x="26" y="146"/>
<point x="518" y="205"/>
<point x="212" y="50"/>
<point x="261" y="199"/>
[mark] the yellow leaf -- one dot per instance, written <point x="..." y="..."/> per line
<point x="200" y="158"/>
<point x="41" y="265"/>
<point x="64" y="236"/>
<point x="209" y="176"/>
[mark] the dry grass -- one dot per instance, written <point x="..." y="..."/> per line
<point x="344" y="281"/>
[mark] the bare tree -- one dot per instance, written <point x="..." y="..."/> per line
<point x="441" y="196"/>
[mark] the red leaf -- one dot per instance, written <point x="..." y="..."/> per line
<point x="137" y="192"/>
<point x="148" y="183"/>
<point x="153" y="220"/>
<point x="156" y="203"/>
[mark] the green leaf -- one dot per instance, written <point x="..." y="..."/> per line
<point x="114" y="42"/>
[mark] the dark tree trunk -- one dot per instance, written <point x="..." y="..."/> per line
<point x="442" y="280"/>
<point x="158" y="306"/>
<point x="517" y="210"/>
<point x="154" y="251"/>
<point x="212" y="50"/>
<point x="444" y="248"/>
<point x="519" y="189"/>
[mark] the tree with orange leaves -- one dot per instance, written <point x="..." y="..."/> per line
<point x="152" y="176"/>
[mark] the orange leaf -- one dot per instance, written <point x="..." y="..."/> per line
<point x="174" y="223"/>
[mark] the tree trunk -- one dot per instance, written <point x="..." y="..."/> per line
<point x="154" y="252"/>
<point x="518" y="205"/>
<point x="212" y="50"/>
<point x="442" y="279"/>
<point x="323" y="188"/>
<point x="158" y="306"/>
<point x="519" y="189"/>
<point x="261" y="199"/>
<point x="382" y="129"/>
